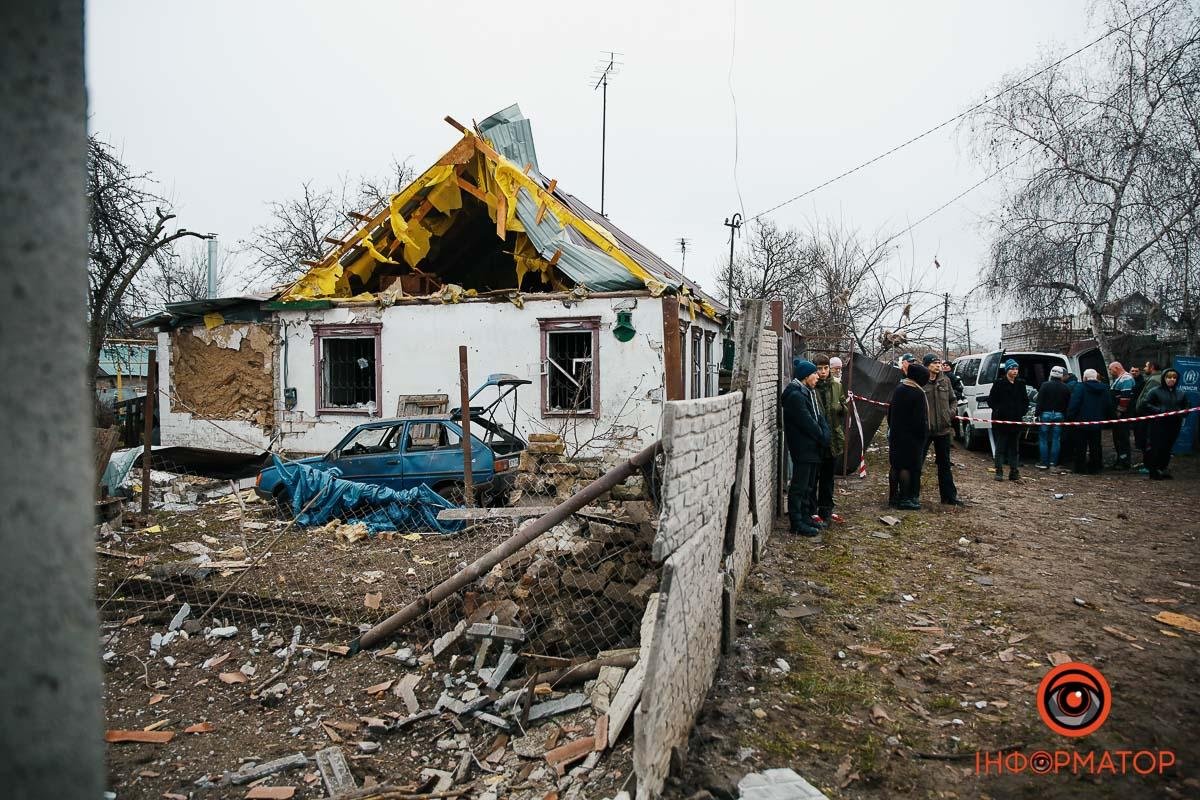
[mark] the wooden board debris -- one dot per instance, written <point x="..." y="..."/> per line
<point x="144" y="737"/>
<point x="1182" y="621"/>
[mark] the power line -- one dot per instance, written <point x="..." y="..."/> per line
<point x="959" y="116"/>
<point x="733" y="99"/>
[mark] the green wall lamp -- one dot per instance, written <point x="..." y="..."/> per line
<point x="624" y="330"/>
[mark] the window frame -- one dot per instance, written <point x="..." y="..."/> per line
<point x="549" y="325"/>
<point x="684" y="326"/>
<point x="697" y="362"/>
<point x="710" y="366"/>
<point x="361" y="330"/>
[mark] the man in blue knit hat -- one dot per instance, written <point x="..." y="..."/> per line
<point x="807" y="434"/>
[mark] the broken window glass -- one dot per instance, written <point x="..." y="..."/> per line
<point x="569" y="370"/>
<point x="348" y="372"/>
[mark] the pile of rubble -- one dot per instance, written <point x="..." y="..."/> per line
<point x="545" y="472"/>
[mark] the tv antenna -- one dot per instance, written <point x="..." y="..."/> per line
<point x="605" y="70"/>
<point x="683" y="246"/>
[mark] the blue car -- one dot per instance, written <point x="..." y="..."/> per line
<point x="405" y="453"/>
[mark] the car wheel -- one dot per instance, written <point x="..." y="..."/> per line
<point x="974" y="438"/>
<point x="452" y="492"/>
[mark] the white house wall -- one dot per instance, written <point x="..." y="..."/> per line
<point x="419" y="355"/>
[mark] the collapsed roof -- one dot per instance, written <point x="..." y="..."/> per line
<point x="484" y="216"/>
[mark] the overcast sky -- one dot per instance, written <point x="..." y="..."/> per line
<point x="233" y="104"/>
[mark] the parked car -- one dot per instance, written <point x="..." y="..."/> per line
<point x="978" y="371"/>
<point x="407" y="452"/>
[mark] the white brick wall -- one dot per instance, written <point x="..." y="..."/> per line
<point x="700" y="440"/>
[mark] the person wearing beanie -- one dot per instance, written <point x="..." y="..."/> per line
<point x="1163" y="432"/>
<point x="832" y="402"/>
<point x="1008" y="400"/>
<point x="908" y="421"/>
<point x="942" y="407"/>
<point x="1091" y="401"/>
<point x="1052" y="401"/>
<point x="835" y="369"/>
<point x="1121" y="386"/>
<point x="807" y="435"/>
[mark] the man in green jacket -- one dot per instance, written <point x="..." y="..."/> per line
<point x="831" y="398"/>
<point x="943" y="405"/>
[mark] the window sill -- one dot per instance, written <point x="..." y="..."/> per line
<point x="352" y="412"/>
<point x="571" y="414"/>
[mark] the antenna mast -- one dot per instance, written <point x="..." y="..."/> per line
<point x="607" y="68"/>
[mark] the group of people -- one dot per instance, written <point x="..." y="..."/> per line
<point x="814" y="409"/>
<point x="923" y="414"/>
<point x="1133" y="393"/>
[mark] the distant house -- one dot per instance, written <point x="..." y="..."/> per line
<point x="121" y="372"/>
<point x="484" y="250"/>
<point x="1137" y="328"/>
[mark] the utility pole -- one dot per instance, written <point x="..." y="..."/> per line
<point x="945" y="319"/>
<point x="968" y="318"/>
<point x="733" y="223"/>
<point x="607" y="70"/>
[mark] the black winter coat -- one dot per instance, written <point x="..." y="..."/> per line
<point x="1008" y="400"/>
<point x="908" y="420"/>
<point x="804" y="428"/>
<point x="1053" y="396"/>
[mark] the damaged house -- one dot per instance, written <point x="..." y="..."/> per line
<point x="481" y="249"/>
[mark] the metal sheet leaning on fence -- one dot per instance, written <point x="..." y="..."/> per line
<point x="379" y="507"/>
<point x="867" y="380"/>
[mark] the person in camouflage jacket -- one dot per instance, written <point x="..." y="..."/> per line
<point x="831" y="398"/>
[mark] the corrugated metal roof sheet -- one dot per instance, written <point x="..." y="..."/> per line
<point x="512" y="135"/>
<point x="636" y="250"/>
<point x="579" y="259"/>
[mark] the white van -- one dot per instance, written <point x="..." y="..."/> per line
<point x="978" y="371"/>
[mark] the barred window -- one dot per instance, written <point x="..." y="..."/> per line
<point x="570" y="370"/>
<point x="348" y="368"/>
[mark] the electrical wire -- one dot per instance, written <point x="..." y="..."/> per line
<point x="958" y="116"/>
<point x="733" y="99"/>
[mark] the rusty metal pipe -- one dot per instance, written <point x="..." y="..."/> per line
<point x="522" y="537"/>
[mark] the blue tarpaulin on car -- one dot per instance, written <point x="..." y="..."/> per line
<point x="319" y="496"/>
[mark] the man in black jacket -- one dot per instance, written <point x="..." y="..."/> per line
<point x="1052" y="401"/>
<point x="807" y="435"/>
<point x="1008" y="401"/>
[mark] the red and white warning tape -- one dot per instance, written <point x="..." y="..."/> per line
<point x="1120" y="421"/>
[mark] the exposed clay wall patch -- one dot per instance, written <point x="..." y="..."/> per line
<point x="224" y="373"/>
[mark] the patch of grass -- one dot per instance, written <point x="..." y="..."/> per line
<point x="777" y="743"/>
<point x="898" y="642"/>
<point x="944" y="703"/>
<point x="837" y="693"/>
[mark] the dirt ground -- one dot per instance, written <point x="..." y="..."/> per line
<point x="315" y="582"/>
<point x="926" y="649"/>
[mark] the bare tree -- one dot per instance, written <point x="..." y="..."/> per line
<point x="840" y="285"/>
<point x="181" y="277"/>
<point x="1115" y="152"/>
<point x="771" y="264"/>
<point x="300" y="228"/>
<point x="127" y="232"/>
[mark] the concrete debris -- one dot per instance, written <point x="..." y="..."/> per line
<point x="250" y="772"/>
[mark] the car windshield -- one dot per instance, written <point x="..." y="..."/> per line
<point x="370" y="440"/>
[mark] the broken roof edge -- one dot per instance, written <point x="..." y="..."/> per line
<point x="600" y="235"/>
<point x="173" y="314"/>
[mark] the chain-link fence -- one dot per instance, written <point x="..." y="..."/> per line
<point x="248" y="577"/>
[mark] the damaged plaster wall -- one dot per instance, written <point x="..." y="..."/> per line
<point x="223" y="374"/>
<point x="419" y="355"/>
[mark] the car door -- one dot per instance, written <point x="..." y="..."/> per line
<point x="371" y="455"/>
<point x="432" y="454"/>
